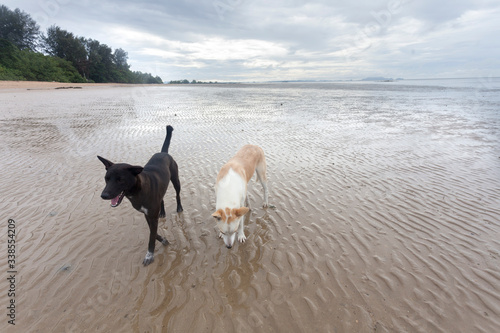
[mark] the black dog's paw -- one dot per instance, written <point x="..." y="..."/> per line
<point x="146" y="262"/>
<point x="162" y="240"/>
<point x="162" y="215"/>
<point x="179" y="209"/>
<point x="148" y="259"/>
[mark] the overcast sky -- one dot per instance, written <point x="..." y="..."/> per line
<point x="262" y="40"/>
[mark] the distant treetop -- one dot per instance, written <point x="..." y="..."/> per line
<point x="192" y="82"/>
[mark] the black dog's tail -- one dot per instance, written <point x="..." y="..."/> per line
<point x="166" y="144"/>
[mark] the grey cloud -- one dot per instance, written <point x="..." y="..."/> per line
<point x="298" y="39"/>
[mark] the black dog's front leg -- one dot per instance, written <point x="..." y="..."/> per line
<point x="153" y="235"/>
<point x="153" y="232"/>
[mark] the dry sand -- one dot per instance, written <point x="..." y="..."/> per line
<point x="381" y="225"/>
<point x="9" y="86"/>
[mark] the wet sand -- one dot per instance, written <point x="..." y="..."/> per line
<point x="384" y="221"/>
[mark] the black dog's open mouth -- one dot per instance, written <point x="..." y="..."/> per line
<point x="117" y="200"/>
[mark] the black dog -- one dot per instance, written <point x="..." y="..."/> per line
<point x="145" y="188"/>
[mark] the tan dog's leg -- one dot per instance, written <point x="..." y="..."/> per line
<point x="261" y="175"/>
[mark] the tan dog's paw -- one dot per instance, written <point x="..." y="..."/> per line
<point x="241" y="238"/>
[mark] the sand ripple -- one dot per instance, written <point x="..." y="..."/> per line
<point x="387" y="211"/>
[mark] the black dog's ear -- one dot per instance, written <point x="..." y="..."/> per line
<point x="135" y="170"/>
<point x="104" y="161"/>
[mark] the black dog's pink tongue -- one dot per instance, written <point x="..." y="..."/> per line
<point x="114" y="201"/>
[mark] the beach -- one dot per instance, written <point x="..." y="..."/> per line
<point x="385" y="217"/>
<point x="11" y="86"/>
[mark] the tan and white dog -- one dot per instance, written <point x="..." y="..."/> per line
<point x="231" y="191"/>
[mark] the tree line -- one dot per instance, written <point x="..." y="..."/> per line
<point x="192" y="82"/>
<point x="59" y="55"/>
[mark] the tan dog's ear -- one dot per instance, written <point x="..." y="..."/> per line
<point x="240" y="211"/>
<point x="217" y="215"/>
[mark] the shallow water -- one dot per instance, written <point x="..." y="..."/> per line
<point x="387" y="210"/>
